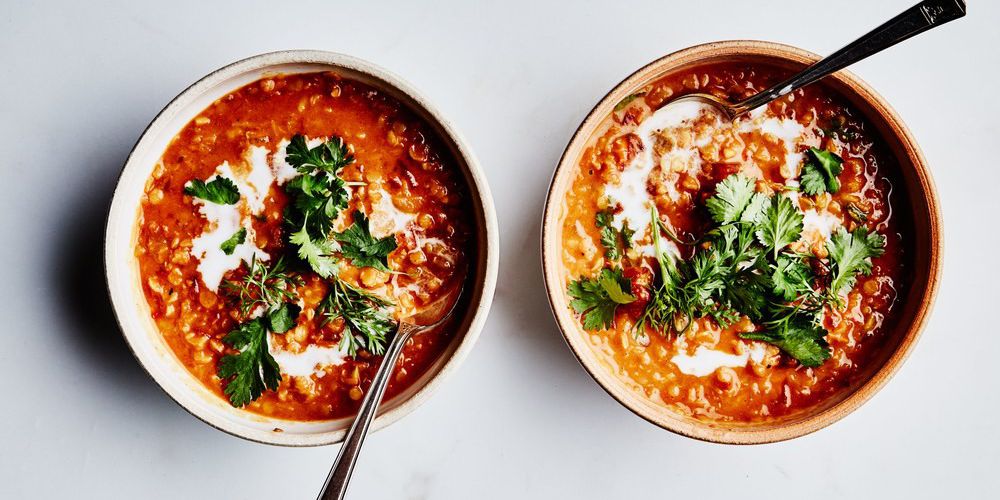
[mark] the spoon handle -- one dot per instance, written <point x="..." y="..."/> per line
<point x="913" y="21"/>
<point x="340" y="474"/>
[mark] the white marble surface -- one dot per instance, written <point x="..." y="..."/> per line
<point x="520" y="419"/>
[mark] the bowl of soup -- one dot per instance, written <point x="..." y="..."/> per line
<point x="271" y="227"/>
<point x="749" y="280"/>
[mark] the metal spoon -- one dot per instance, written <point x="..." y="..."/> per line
<point x="429" y="317"/>
<point x="913" y="21"/>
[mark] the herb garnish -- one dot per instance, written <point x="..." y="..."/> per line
<point x="615" y="242"/>
<point x="721" y="280"/>
<point x="781" y="225"/>
<point x="363" y="249"/>
<point x="221" y="190"/>
<point x="238" y="238"/>
<point x="799" y="338"/>
<point x="317" y="253"/>
<point x="746" y="270"/>
<point x="271" y="289"/>
<point x="596" y="299"/>
<point x="330" y="157"/>
<point x="267" y="294"/>
<point x="318" y="196"/>
<point x="744" y="266"/>
<point x="366" y="324"/>
<point x="850" y="254"/>
<point x="820" y="171"/>
<point x="253" y="369"/>
<point x="736" y="201"/>
<point x="283" y="318"/>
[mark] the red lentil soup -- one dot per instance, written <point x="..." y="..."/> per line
<point x="394" y="236"/>
<point x="673" y="159"/>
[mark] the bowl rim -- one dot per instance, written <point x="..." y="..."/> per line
<point x="661" y="416"/>
<point x="385" y="79"/>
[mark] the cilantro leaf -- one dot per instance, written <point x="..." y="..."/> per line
<point x="238" y="238"/>
<point x="820" y="172"/>
<point x="756" y="209"/>
<point x="799" y="339"/>
<point x="603" y="218"/>
<point x="614" y="285"/>
<point x="790" y="277"/>
<point x="316" y="201"/>
<point x="315" y="253"/>
<point x="780" y="226"/>
<point x="736" y="200"/>
<point x="282" y="318"/>
<point x="328" y="157"/>
<point x="609" y="240"/>
<point x="627" y="234"/>
<point x="596" y="299"/>
<point x="364" y="250"/>
<point x="747" y="292"/>
<point x="850" y="254"/>
<point x="609" y="236"/>
<point x="252" y="370"/>
<point x="221" y="190"/>
<point x="323" y="194"/>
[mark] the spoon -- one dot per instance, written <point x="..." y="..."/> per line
<point x="426" y="319"/>
<point x="913" y="21"/>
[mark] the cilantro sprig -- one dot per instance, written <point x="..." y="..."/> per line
<point x="363" y="249"/>
<point x="251" y="371"/>
<point x="781" y="225"/>
<point x="597" y="299"/>
<point x="318" y="253"/>
<point x="329" y="157"/>
<point x="799" y="338"/>
<point x="220" y="190"/>
<point x="820" y="171"/>
<point x="736" y="200"/>
<point x="238" y="238"/>
<point x="851" y="254"/>
<point x="614" y="241"/>
<point x="317" y="197"/>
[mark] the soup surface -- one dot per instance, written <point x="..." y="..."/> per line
<point x="737" y="271"/>
<point x="287" y="228"/>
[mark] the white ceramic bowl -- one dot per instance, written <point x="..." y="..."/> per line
<point x="133" y="312"/>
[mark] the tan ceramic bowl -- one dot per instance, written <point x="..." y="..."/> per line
<point x="133" y="312"/>
<point x="919" y="201"/>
